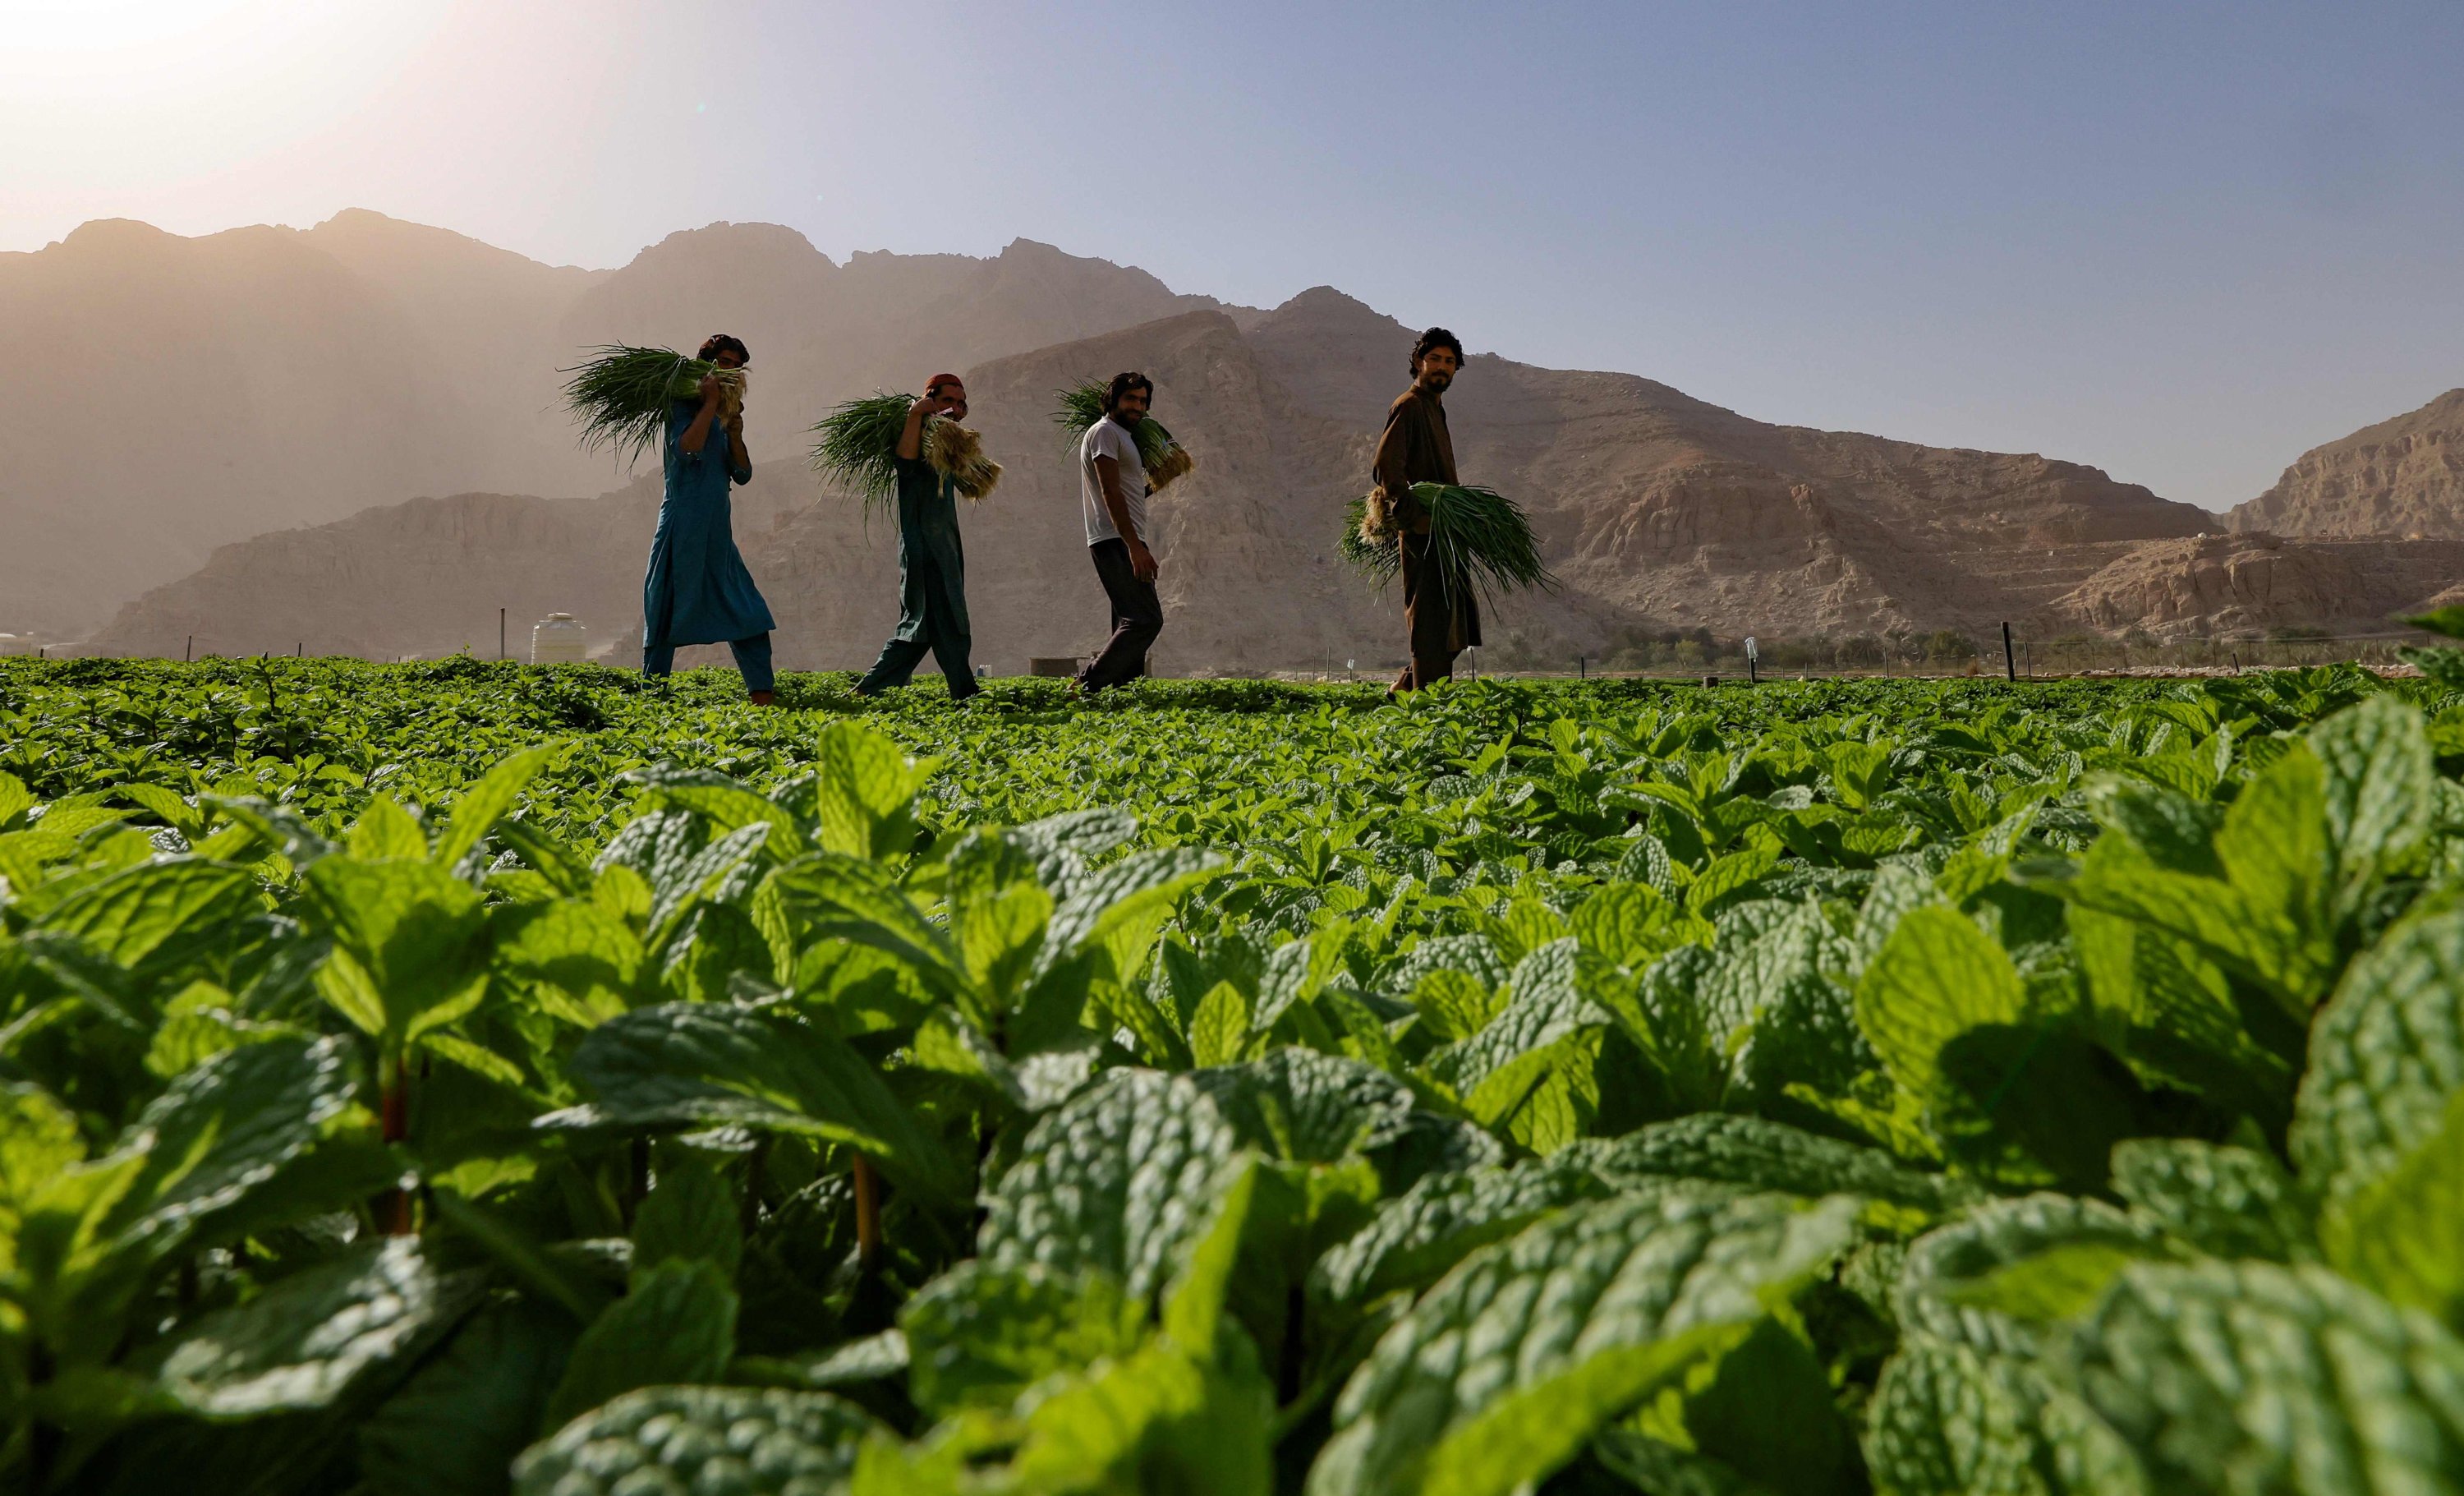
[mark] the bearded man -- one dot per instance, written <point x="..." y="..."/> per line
<point x="1113" y="500"/>
<point x="1417" y="449"/>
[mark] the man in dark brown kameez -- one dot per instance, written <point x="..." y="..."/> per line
<point x="1417" y="449"/>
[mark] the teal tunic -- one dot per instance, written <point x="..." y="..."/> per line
<point x="696" y="589"/>
<point x="931" y="567"/>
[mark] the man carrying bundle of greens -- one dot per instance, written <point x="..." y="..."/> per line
<point x="696" y="589"/>
<point x="1417" y="449"/>
<point x="1112" y="490"/>
<point x="931" y="568"/>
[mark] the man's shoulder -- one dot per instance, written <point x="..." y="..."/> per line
<point x="1104" y="439"/>
<point x="1409" y="400"/>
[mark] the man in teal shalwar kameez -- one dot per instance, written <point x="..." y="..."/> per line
<point x="931" y="567"/>
<point x="696" y="589"/>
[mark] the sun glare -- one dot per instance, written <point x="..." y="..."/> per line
<point x="105" y="26"/>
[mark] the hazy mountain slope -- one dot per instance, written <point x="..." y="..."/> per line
<point x="1660" y="507"/>
<point x="195" y="391"/>
<point x="425" y="577"/>
<point x="2400" y="477"/>
<point x="166" y="394"/>
<point x="1657" y="509"/>
<point x="1248" y="576"/>
<point x="266" y="378"/>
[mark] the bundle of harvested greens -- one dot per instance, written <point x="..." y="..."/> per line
<point x="858" y="446"/>
<point x="620" y="394"/>
<point x="1479" y="537"/>
<point x="1083" y="406"/>
<point x="958" y="454"/>
<point x="1365" y="547"/>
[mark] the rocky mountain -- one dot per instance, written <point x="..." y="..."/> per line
<point x="2403" y="477"/>
<point x="2216" y="584"/>
<point x="304" y="385"/>
<point x="174" y="394"/>
<point x="1658" y="510"/>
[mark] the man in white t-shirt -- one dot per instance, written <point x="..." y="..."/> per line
<point x="1112" y="487"/>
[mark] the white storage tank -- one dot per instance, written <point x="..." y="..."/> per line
<point x="16" y="643"/>
<point x="559" y="639"/>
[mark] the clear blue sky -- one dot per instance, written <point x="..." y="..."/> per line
<point x="2179" y="241"/>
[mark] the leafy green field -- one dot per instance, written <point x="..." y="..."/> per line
<point x="460" y="1078"/>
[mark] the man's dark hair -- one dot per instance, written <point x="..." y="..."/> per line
<point x="1122" y="383"/>
<point x="717" y="344"/>
<point x="1435" y="337"/>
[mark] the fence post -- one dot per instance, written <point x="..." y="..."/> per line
<point x="189" y="655"/>
<point x="500" y="633"/>
<point x="2010" y="663"/>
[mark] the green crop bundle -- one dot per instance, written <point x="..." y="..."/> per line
<point x="621" y="395"/>
<point x="1364" y="548"/>
<point x="1480" y="539"/>
<point x="1164" y="459"/>
<point x="856" y="445"/>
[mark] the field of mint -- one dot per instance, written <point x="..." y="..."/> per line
<point x="458" y="1078"/>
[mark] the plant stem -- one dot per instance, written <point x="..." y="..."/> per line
<point x="867" y="1215"/>
<point x="637" y="1178"/>
<point x="393" y="1206"/>
<point x="43" y="1437"/>
<point x="753" y="1165"/>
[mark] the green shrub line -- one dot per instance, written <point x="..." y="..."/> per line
<point x="464" y="1077"/>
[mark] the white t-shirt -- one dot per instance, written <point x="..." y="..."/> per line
<point x="1107" y="438"/>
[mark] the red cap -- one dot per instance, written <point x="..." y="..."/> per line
<point x="939" y="379"/>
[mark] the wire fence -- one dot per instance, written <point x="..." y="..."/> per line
<point x="1690" y="658"/>
<point x="2058" y="657"/>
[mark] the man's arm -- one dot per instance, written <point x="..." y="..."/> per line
<point x="1108" y="474"/>
<point x="1391" y="471"/>
<point x="911" y="436"/>
<point x="739" y="462"/>
<point x="697" y="434"/>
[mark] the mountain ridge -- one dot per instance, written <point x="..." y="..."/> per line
<point x="2403" y="476"/>
<point x="231" y="389"/>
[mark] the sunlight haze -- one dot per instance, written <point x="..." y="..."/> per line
<point x="2181" y="243"/>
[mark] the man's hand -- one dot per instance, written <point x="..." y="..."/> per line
<point x="1142" y="562"/>
<point x="711" y="387"/>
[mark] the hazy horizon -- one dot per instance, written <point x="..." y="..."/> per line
<point x="2183" y="247"/>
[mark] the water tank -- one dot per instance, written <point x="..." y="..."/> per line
<point x="559" y="639"/>
<point x="16" y="643"/>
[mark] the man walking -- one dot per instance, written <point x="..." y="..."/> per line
<point x="1417" y="449"/>
<point x="931" y="568"/>
<point x="1113" y="490"/>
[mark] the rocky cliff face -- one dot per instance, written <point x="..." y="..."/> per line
<point x="2219" y="584"/>
<point x="425" y="577"/>
<point x="2398" y="478"/>
<point x="1656" y="509"/>
<point x="265" y="380"/>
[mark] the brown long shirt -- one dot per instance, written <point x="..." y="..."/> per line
<point x="1414" y="448"/>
